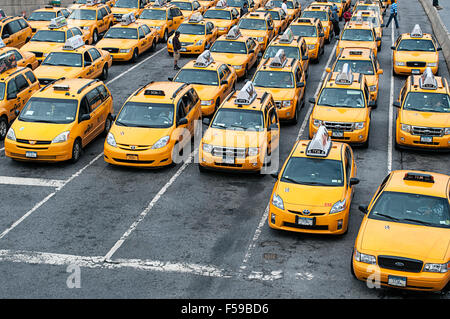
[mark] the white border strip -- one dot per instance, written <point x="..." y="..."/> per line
<point x="24" y="181"/>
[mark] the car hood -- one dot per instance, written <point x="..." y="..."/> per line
<point x="191" y="37"/>
<point x="116" y="10"/>
<point x="279" y="94"/>
<point x="56" y="72"/>
<point x="206" y="92"/>
<point x="230" y="58"/>
<point x="340" y="114"/>
<point x="230" y="138"/>
<point x="152" y="23"/>
<point x="138" y="135"/>
<point x="254" y="33"/>
<point x="415" y="56"/>
<point x="39" y="131"/>
<point x="357" y="44"/>
<point x="44" y="47"/>
<point x="220" y="22"/>
<point x="116" y="43"/>
<point x="80" y="23"/>
<point x="38" y="24"/>
<point x="427" y="119"/>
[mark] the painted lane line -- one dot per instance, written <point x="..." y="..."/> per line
<point x="2" y="149"/>
<point x="22" y="181"/>
<point x="391" y="113"/>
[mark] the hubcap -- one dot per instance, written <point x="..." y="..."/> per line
<point x="2" y="128"/>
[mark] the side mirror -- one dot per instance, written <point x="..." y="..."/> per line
<point x="182" y="121"/>
<point x="305" y="57"/>
<point x="397" y="104"/>
<point x="300" y="84"/>
<point x="85" y="117"/>
<point x="363" y="208"/>
<point x="392" y="47"/>
<point x="439" y="49"/>
<point x="11" y="96"/>
<point x="353" y="181"/>
<point x="274" y="175"/>
<point x="170" y="78"/>
<point x="312" y="100"/>
<point x="380" y="71"/>
<point x="206" y="121"/>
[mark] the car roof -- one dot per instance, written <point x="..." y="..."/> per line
<point x="258" y="104"/>
<point x="356" y="83"/>
<point x="5" y="75"/>
<point x="212" y="66"/>
<point x="414" y="85"/>
<point x="356" y="54"/>
<point x="170" y="89"/>
<point x="290" y="65"/>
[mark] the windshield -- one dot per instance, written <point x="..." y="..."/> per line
<point x="412" y="208"/>
<point x="42" y="16"/>
<point x="366" y="8"/>
<point x="238" y="120"/>
<point x="374" y="20"/>
<point x="357" y="66"/>
<point x="289" y="4"/>
<point x="83" y="14"/>
<point x="322" y="16"/>
<point x="2" y="90"/>
<point x="272" y="79"/>
<point x="64" y="59"/>
<point x="290" y="52"/>
<point x="49" y="36"/>
<point x="121" y="33"/>
<point x="194" y="76"/>
<point x="416" y="45"/>
<point x="218" y="14"/>
<point x="357" y="35"/>
<point x="313" y="171"/>
<point x="229" y="47"/>
<point x="341" y="98"/>
<point x="150" y="14"/>
<point x="275" y="15"/>
<point x="151" y="115"/>
<point x="304" y="30"/>
<point x="427" y="102"/>
<point x="236" y="3"/>
<point x="43" y="110"/>
<point x="183" y="5"/>
<point x="195" y="29"/>
<point x="252" y="24"/>
<point x="127" y="4"/>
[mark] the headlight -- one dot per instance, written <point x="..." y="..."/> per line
<point x="63" y="137"/>
<point x="111" y="140"/>
<point x="86" y="28"/>
<point x="287" y="103"/>
<point x="405" y="127"/>
<point x="432" y="64"/>
<point x="317" y="122"/>
<point x="199" y="42"/>
<point x="260" y="39"/>
<point x="253" y="151"/>
<point x="447" y="131"/>
<point x="124" y="50"/>
<point x="359" y="125"/>
<point x="338" y="207"/>
<point x="400" y="63"/>
<point x="11" y="135"/>
<point x="368" y="259"/>
<point x="207" y="148"/>
<point x="209" y="102"/>
<point x="161" y="142"/>
<point x="277" y="201"/>
<point x="311" y="46"/>
<point x="237" y="67"/>
<point x="442" y="268"/>
<point x="372" y="88"/>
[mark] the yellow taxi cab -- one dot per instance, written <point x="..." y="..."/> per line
<point x="52" y="37"/>
<point x="23" y="58"/>
<point x="370" y="5"/>
<point x="96" y="18"/>
<point x="358" y="34"/>
<point x="208" y="3"/>
<point x="188" y="7"/>
<point x="373" y="18"/>
<point x="323" y="13"/>
<point x="164" y="18"/>
<point x="222" y="16"/>
<point x="252" y="5"/>
<point x="283" y="78"/>
<point x="294" y="8"/>
<point x="342" y="6"/>
<point x="122" y="7"/>
<point x="258" y="25"/>
<point x="213" y="81"/>
<point x="127" y="40"/>
<point x="327" y="4"/>
<point x="237" y="50"/>
<point x="154" y="126"/>
<point x="415" y="51"/>
<point x="74" y="60"/>
<point x="361" y="60"/>
<point x="59" y="120"/>
<point x="279" y="17"/>
<point x="423" y="119"/>
<point x="343" y="106"/>
<point x="314" y="188"/>
<point x="17" y="85"/>
<point x="403" y="238"/>
<point x="41" y="18"/>
<point x="312" y="31"/>
<point x="196" y="35"/>
<point x="243" y="134"/>
<point x="78" y="3"/>
<point x="15" y="31"/>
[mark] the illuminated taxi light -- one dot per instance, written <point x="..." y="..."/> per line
<point x="234" y="33"/>
<point x="73" y="43"/>
<point x="419" y="177"/>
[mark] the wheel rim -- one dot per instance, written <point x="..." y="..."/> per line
<point x="3" y="128"/>
<point x="95" y="37"/>
<point x="76" y="151"/>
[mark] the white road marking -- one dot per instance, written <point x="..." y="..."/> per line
<point x="2" y="149"/>
<point x="24" y="181"/>
<point x="391" y="113"/>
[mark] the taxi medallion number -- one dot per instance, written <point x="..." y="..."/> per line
<point x="337" y="134"/>
<point x="397" y="281"/>
<point x="132" y="157"/>
<point x="304" y="221"/>
<point x="31" y="154"/>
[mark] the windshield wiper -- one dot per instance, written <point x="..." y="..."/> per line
<point x="416" y="221"/>
<point x="291" y="180"/>
<point x="386" y="216"/>
<point x="219" y="125"/>
<point x="238" y="126"/>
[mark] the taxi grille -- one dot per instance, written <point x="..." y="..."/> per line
<point x="38" y="54"/>
<point x="416" y="64"/>
<point x="229" y="152"/>
<point x="400" y="263"/>
<point x="337" y="126"/>
<point x="111" y="50"/>
<point x="310" y="214"/>
<point x="427" y="131"/>
<point x="34" y="142"/>
<point x="136" y="148"/>
<point x="185" y="44"/>
<point x="117" y="16"/>
<point x="315" y="227"/>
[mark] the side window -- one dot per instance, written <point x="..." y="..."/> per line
<point x="87" y="57"/>
<point x="179" y="13"/>
<point x="94" y="99"/>
<point x="66" y="12"/>
<point x="94" y="54"/>
<point x="107" y="10"/>
<point x="99" y="15"/>
<point x="23" y="24"/>
<point x="14" y="27"/>
<point x="221" y="73"/>
<point x="298" y="75"/>
<point x="403" y="93"/>
<point x="12" y="88"/>
<point x="104" y="12"/>
<point x="171" y="13"/>
<point x="76" y="31"/>
<point x="194" y="96"/>
<point x="141" y="33"/>
<point x="59" y="14"/>
<point x="21" y="83"/>
<point x="181" y="109"/>
<point x="69" y="34"/>
<point x="366" y="92"/>
<point x="84" y="108"/>
<point x="348" y="167"/>
<point x="188" y="102"/>
<point x="196" y="5"/>
<point x="31" y="76"/>
<point x="103" y="92"/>
<point x="146" y="29"/>
<point x="17" y="55"/>
<point x="383" y="183"/>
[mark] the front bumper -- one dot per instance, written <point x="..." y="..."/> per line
<point x="122" y="56"/>
<point x="46" y="153"/>
<point x="191" y="49"/>
<point x="147" y="158"/>
<point x="409" y="140"/>
<point x="250" y="163"/>
<point x="286" y="113"/>
<point x="406" y="70"/>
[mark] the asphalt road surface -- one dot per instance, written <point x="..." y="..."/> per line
<point x="177" y="233"/>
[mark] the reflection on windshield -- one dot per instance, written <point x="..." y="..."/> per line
<point x="64" y="59"/>
<point x="357" y="35"/>
<point x="153" y="15"/>
<point x="229" y="47"/>
<point x="313" y="171"/>
<point x="373" y="20"/>
<point x="193" y="76"/>
<point x="341" y="98"/>
<point x="274" y="79"/>
<point x="127" y="4"/>
<point x="49" y="36"/>
<point x="357" y="66"/>
<point x="217" y="14"/>
<point x="183" y="5"/>
<point x="43" y="110"/>
<point x="275" y="15"/>
<point x="42" y="16"/>
<point x="427" y="102"/>
<point x="238" y="120"/>
<point x="304" y="30"/>
<point x="82" y="14"/>
<point x="322" y="16"/>
<point x="151" y="115"/>
<point x="278" y="3"/>
<point x="416" y="45"/>
<point x="252" y="24"/>
<point x="236" y="3"/>
<point x="121" y="33"/>
<point x="290" y="52"/>
<point x="195" y="29"/>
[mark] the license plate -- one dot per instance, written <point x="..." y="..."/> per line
<point x="305" y="221"/>
<point x="132" y="157"/>
<point x="426" y="139"/>
<point x="183" y="49"/>
<point x="337" y="134"/>
<point x="415" y="71"/>
<point x="228" y="160"/>
<point x="397" y="281"/>
<point x="31" y="154"/>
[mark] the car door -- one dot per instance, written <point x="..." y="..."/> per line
<point x="100" y="21"/>
<point x="299" y="77"/>
<point x="34" y="83"/>
<point x="228" y="76"/>
<point x="95" y="102"/>
<point x="142" y="40"/>
<point x="84" y="129"/>
<point x="273" y="135"/>
<point x="178" y="18"/>
<point x="89" y="67"/>
<point x="190" y="114"/>
<point x="25" y="31"/>
<point x="11" y="34"/>
<point x="97" y="62"/>
<point x="12" y="95"/>
<point x="251" y="47"/>
<point x="181" y="113"/>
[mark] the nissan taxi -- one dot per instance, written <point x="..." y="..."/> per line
<point x="41" y="18"/>
<point x="196" y="35"/>
<point x="237" y="50"/>
<point x="122" y="7"/>
<point x="243" y="134"/>
<point x="258" y="25"/>
<point x="373" y="18"/>
<point x="15" y="31"/>
<point x="52" y="37"/>
<point x="279" y="17"/>
<point x="323" y="13"/>
<point x="314" y="188"/>
<point x="23" y="58"/>
<point x="213" y="81"/>
<point x="127" y="40"/>
<point x="312" y="31"/>
<point x="403" y="240"/>
<point x="294" y="8"/>
<point x="415" y="51"/>
<point x="284" y="78"/>
<point x="358" y="34"/>
<point x="343" y="106"/>
<point x="188" y="7"/>
<point x="153" y="126"/>
<point x="74" y="60"/>
<point x="59" y="120"/>
<point x="423" y="119"/>
<point x="17" y="85"/>
<point x="222" y="16"/>
<point x="361" y="60"/>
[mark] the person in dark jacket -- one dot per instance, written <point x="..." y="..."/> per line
<point x="335" y="20"/>
<point x="244" y="9"/>
<point x="176" y="50"/>
<point x="347" y="15"/>
<point x="436" y="5"/>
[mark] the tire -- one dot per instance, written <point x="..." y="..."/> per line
<point x="3" y="127"/>
<point x="294" y="121"/>
<point x="165" y="36"/>
<point x="76" y="151"/>
<point x="135" y="55"/>
<point x="201" y="169"/>
<point x="153" y="47"/>
<point x="108" y="124"/>
<point x="104" y="75"/>
<point x="352" y="271"/>
<point x="95" y="37"/>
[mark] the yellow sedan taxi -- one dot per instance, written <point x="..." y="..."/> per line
<point x="154" y="125"/>
<point x="403" y="240"/>
<point x="243" y="134"/>
<point x="415" y="51"/>
<point x="328" y="4"/>
<point x="122" y="7"/>
<point x="358" y="34"/>
<point x="294" y="8"/>
<point x="323" y="13"/>
<point x="258" y="25"/>
<point x="285" y="80"/>
<point x="23" y="58"/>
<point x="188" y="7"/>
<point x="41" y="18"/>
<point x="312" y="31"/>
<point x="222" y="16"/>
<point x="279" y="17"/>
<point x="423" y="119"/>
<point x="314" y="188"/>
<point x="74" y="60"/>
<point x="59" y="120"/>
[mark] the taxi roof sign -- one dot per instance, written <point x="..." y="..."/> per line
<point x="154" y="92"/>
<point x="196" y="18"/>
<point x="416" y="32"/>
<point x="61" y="87"/>
<point x="320" y="144"/>
<point x="269" y="5"/>
<point x="279" y="60"/>
<point x="128" y="19"/>
<point x="204" y="59"/>
<point x="287" y="37"/>
<point x="418" y="177"/>
<point x="7" y="62"/>
<point x="345" y="76"/>
<point x="246" y="95"/>
<point x="92" y="2"/>
<point x="427" y="80"/>
<point x="234" y="33"/>
<point x="159" y="3"/>
<point x="57" y="23"/>
<point x="221" y="4"/>
<point x="73" y="43"/>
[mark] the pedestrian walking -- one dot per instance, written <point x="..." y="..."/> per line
<point x="284" y="7"/>
<point x="335" y="20"/>
<point x="347" y="16"/>
<point x="244" y="9"/>
<point x="176" y="50"/>
<point x="436" y="5"/>
<point x="394" y="13"/>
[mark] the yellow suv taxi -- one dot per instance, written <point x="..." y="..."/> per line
<point x="154" y="125"/>
<point x="237" y="50"/>
<point x="23" y="58"/>
<point x="213" y="81"/>
<point x="279" y="17"/>
<point x="415" y="51"/>
<point x="59" y="120"/>
<point x="358" y="34"/>
<point x="243" y="134"/>
<point x="122" y="7"/>
<point x="196" y="35"/>
<point x="328" y="4"/>
<point x="223" y="16"/>
<point x="373" y="18"/>
<point x="314" y="188"/>
<point x="312" y="31"/>
<point x="294" y="8"/>
<point x="403" y="238"/>
<point x="284" y="78"/>
<point x="41" y="18"/>
<point x="323" y="13"/>
<point x="127" y="40"/>
<point x="423" y="119"/>
<point x="258" y="25"/>
<point x="74" y="60"/>
<point x="343" y="106"/>
<point x="15" y="31"/>
<point x="188" y="7"/>
<point x="369" y="5"/>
